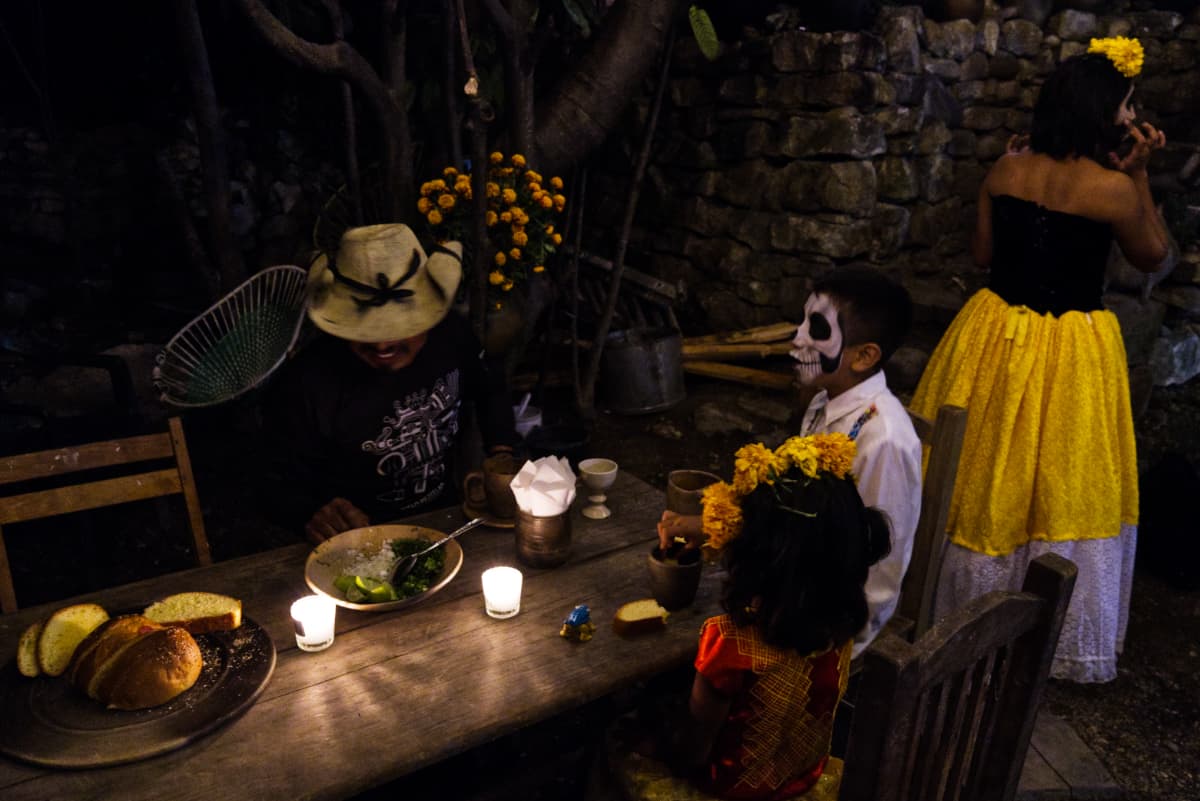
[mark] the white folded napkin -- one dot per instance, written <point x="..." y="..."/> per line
<point x="546" y="487"/>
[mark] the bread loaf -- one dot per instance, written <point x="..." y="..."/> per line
<point x="27" y="661"/>
<point x="198" y="612"/>
<point x="131" y="662"/>
<point x="639" y="617"/>
<point x="62" y="633"/>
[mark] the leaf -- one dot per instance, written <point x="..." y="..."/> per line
<point x="705" y="33"/>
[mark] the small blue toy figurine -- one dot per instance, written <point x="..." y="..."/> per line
<point x="578" y="626"/>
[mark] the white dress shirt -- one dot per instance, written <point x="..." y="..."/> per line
<point x="888" y="472"/>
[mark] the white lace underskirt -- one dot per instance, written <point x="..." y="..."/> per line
<point x="1093" y="633"/>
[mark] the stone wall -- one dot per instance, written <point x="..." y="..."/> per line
<point x="795" y="151"/>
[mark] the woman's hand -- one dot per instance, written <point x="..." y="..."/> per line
<point x="1146" y="139"/>
<point x="333" y="518"/>
<point x="672" y="525"/>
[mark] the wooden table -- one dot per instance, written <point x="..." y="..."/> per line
<point x="402" y="690"/>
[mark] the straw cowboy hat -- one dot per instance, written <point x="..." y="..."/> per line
<point x="380" y="286"/>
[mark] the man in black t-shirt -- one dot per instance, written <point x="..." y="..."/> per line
<point x="362" y="425"/>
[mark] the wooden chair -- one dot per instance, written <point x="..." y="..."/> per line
<point x="944" y="438"/>
<point x="950" y="716"/>
<point x="44" y="466"/>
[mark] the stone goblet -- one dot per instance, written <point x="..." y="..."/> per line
<point x="598" y="476"/>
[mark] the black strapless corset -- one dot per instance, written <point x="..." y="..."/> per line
<point x="1047" y="260"/>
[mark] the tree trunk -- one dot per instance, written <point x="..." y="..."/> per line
<point x="592" y="99"/>
<point x="225" y="252"/>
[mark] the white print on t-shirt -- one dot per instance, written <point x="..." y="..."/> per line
<point x="413" y="443"/>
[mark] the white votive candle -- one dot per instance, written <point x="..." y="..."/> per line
<point x="502" y="591"/>
<point x="313" y="617"/>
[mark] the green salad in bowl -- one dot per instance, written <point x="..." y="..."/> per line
<point x="364" y="584"/>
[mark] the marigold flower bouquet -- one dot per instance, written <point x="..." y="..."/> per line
<point x="523" y="217"/>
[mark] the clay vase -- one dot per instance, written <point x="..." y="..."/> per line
<point x="674" y="576"/>
<point x="543" y="541"/>
<point x="684" y="488"/>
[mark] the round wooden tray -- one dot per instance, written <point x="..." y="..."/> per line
<point x="48" y="722"/>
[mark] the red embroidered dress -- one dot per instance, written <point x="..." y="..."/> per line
<point x="775" y="742"/>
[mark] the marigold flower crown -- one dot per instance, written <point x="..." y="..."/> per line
<point x="1125" y="53"/>
<point x="757" y="464"/>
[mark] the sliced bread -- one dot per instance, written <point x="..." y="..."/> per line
<point x="197" y="612"/>
<point x="27" y="661"/>
<point x="62" y="633"/>
<point x="639" y="617"/>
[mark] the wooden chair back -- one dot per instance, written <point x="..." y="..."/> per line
<point x="92" y="494"/>
<point x="944" y="438"/>
<point x="950" y="716"/>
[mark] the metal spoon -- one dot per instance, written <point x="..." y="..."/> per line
<point x="405" y="564"/>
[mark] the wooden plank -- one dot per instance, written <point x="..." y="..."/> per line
<point x="79" y="497"/>
<point x="401" y="690"/>
<point x="8" y="595"/>
<point x="741" y="375"/>
<point x="1071" y="759"/>
<point x="717" y="351"/>
<point x="190" y="496"/>
<point x="763" y="333"/>
<point x="1039" y="782"/>
<point x="44" y="464"/>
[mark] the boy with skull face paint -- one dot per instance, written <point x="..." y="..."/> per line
<point x="854" y="320"/>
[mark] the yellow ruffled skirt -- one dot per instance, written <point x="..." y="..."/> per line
<point x="1048" y="465"/>
<point x="1049" y="452"/>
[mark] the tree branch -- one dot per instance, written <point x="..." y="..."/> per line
<point x="501" y="18"/>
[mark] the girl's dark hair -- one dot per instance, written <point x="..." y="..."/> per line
<point x="1075" y="111"/>
<point x="798" y="568"/>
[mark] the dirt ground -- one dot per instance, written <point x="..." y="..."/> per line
<point x="1144" y="726"/>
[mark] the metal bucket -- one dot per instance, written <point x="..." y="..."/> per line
<point x="642" y="370"/>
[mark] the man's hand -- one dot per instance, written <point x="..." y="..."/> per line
<point x="688" y="527"/>
<point x="333" y="518"/>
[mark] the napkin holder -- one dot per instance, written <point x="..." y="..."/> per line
<point x="543" y="541"/>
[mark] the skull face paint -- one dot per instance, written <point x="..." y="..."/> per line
<point x="818" y="340"/>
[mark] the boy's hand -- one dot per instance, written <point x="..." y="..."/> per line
<point x="687" y="527"/>
<point x="333" y="518"/>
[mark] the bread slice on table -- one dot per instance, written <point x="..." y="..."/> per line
<point x="62" y="633"/>
<point x="27" y="661"/>
<point x="198" y="612"/>
<point x="639" y="617"/>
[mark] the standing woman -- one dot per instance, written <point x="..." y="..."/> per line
<point x="1049" y="461"/>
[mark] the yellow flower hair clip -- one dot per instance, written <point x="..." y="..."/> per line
<point x="757" y="464"/>
<point x="1125" y="53"/>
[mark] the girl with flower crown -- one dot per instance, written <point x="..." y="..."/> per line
<point x="1048" y="463"/>
<point x="796" y="543"/>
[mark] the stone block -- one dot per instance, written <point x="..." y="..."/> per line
<point x="902" y="145"/>
<point x="1003" y="66"/>
<point x="834" y="235"/>
<point x="902" y="44"/>
<point x="751" y="184"/>
<point x="945" y="68"/>
<point x="1155" y="24"/>
<point x="931" y="222"/>
<point x="898" y="119"/>
<point x="1003" y="91"/>
<point x="742" y="90"/>
<point x="796" y="186"/>
<point x="1068" y="49"/>
<point x="840" y="132"/>
<point x="1074" y="26"/>
<point x="974" y="67"/>
<point x="984" y="118"/>
<point x="933" y="137"/>
<point x="962" y="143"/>
<point x="690" y="92"/>
<point x="968" y="92"/>
<point x="1117" y="26"/>
<point x="936" y="175"/>
<point x="705" y="217"/>
<point x="842" y="89"/>
<point x="753" y="228"/>
<point x="1181" y="55"/>
<point x="1155" y="62"/>
<point x="889" y="231"/>
<point x="968" y="177"/>
<point x="1021" y="37"/>
<point x="897" y="179"/>
<point x="795" y="51"/>
<point x="987" y="37"/>
<point x="991" y="146"/>
<point x="959" y="38"/>
<point x="744" y="139"/>
<point x="1188" y="33"/>
<point x="1018" y="121"/>
<point x="938" y="103"/>
<point x="910" y="89"/>
<point x="848" y="187"/>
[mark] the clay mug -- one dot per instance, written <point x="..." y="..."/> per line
<point x="543" y="541"/>
<point x="684" y="488"/>
<point x="674" y="576"/>
<point x="490" y="488"/>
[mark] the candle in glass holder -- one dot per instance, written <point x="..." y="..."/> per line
<point x="313" y="617"/>
<point x="502" y="591"/>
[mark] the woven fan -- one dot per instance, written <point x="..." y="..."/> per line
<point x="237" y="343"/>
